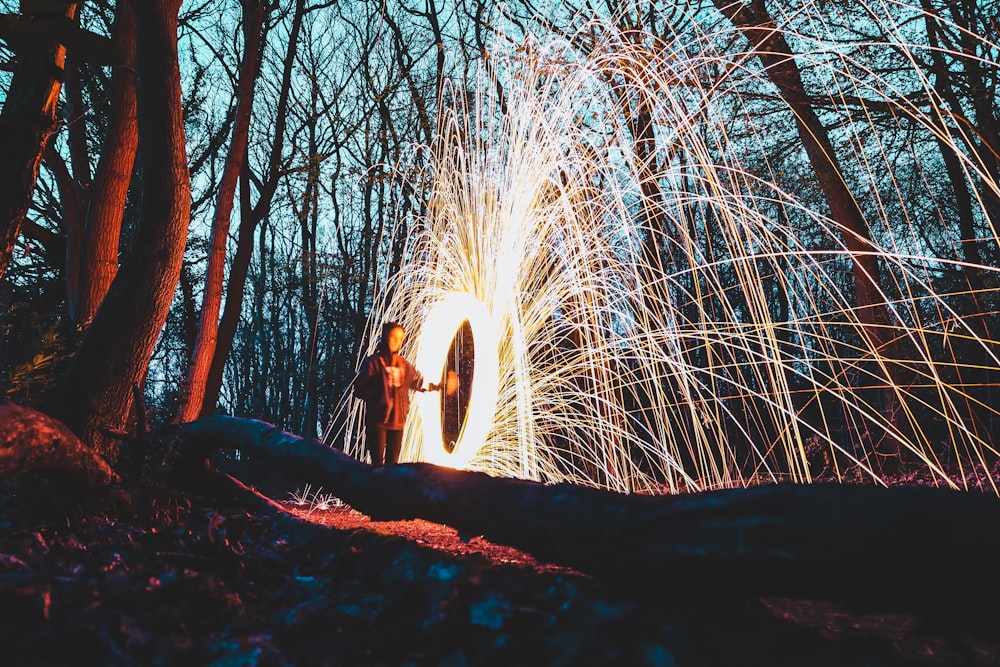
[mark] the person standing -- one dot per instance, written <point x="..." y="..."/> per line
<point x="384" y="382"/>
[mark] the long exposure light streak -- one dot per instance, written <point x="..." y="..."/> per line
<point x="437" y="331"/>
<point x="685" y="320"/>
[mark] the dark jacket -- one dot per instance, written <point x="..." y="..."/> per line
<point x="386" y="406"/>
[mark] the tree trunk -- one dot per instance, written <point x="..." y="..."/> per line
<point x="779" y="62"/>
<point x="71" y="199"/>
<point x="876" y="330"/>
<point x="250" y="217"/>
<point x="906" y="549"/>
<point x="232" y="311"/>
<point x="95" y="395"/>
<point x="193" y="392"/>
<point x="26" y="123"/>
<point x="913" y="548"/>
<point x="98" y="255"/>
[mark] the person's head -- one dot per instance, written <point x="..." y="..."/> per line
<point x="392" y="337"/>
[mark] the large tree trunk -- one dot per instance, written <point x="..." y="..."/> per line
<point x="26" y="123"/>
<point x="193" y="388"/>
<point x="770" y="46"/>
<point x="98" y="248"/>
<point x="914" y="548"/>
<point x="95" y="395"/>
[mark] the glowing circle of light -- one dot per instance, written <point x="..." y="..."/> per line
<point x="438" y="330"/>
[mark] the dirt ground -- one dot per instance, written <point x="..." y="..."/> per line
<point x="167" y="579"/>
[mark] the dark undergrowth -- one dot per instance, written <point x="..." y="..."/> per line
<point x="170" y="578"/>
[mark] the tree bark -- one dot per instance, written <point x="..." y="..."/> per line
<point x="26" y="123"/>
<point x="193" y="388"/>
<point x="250" y="217"/>
<point x="779" y="62"/>
<point x="98" y="247"/>
<point x="910" y="549"/>
<point x="95" y="395"/>
<point x="913" y="548"/>
<point x="71" y="199"/>
<point x="877" y="333"/>
<point x="33" y="442"/>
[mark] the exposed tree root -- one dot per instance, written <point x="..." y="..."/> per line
<point x="914" y="548"/>
<point x="33" y="442"/>
<point x="910" y="548"/>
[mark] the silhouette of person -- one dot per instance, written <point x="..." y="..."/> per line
<point x="384" y="382"/>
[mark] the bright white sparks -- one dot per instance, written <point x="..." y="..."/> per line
<point x="733" y="359"/>
<point x="436" y="333"/>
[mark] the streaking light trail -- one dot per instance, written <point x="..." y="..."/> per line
<point x="681" y="320"/>
<point x="436" y="333"/>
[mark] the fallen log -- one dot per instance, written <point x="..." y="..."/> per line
<point x="906" y="548"/>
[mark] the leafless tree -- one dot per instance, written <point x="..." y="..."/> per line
<point x="95" y="398"/>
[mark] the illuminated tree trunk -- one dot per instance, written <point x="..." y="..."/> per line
<point x="32" y="442"/>
<point x="194" y="385"/>
<point x="779" y="63"/>
<point x="95" y="396"/>
<point x="92" y="211"/>
<point x="250" y="217"/>
<point x="98" y="248"/>
<point x="74" y="187"/>
<point x="27" y="121"/>
<point x="232" y="311"/>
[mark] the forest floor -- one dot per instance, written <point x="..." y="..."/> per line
<point x="171" y="579"/>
